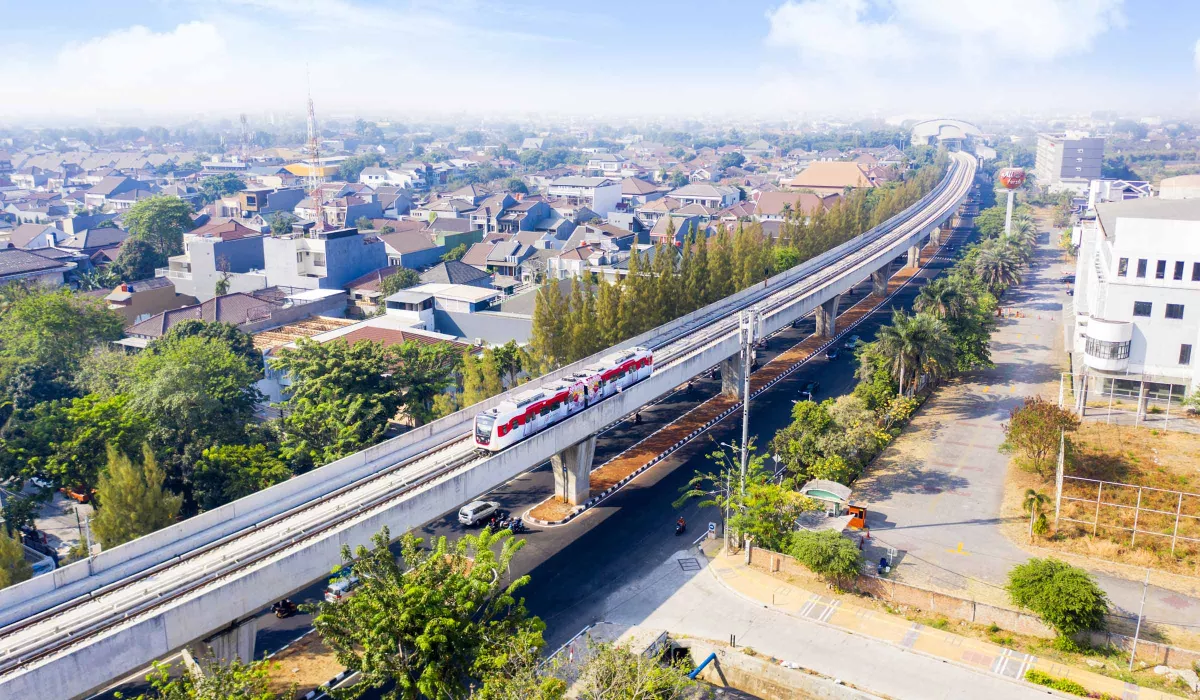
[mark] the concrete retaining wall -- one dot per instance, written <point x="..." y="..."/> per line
<point x="899" y="593"/>
<point x="762" y="678"/>
<point x="955" y="608"/>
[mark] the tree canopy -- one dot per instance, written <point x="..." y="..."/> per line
<point x="1065" y="597"/>
<point x="131" y="499"/>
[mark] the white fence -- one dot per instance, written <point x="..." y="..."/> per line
<point x="1128" y="400"/>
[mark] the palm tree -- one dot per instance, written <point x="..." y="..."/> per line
<point x="998" y="266"/>
<point x="1032" y="503"/>
<point x="942" y="298"/>
<point x="916" y="344"/>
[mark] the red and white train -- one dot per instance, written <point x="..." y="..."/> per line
<point x="535" y="410"/>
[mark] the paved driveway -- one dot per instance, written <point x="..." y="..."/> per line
<point x="935" y="495"/>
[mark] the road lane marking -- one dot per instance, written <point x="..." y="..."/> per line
<point x="959" y="550"/>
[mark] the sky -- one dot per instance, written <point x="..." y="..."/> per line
<point x="130" y="60"/>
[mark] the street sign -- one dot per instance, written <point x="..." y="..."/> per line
<point x="712" y="527"/>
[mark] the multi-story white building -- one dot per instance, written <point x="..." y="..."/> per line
<point x="1068" y="161"/>
<point x="600" y="194"/>
<point x="1137" y="298"/>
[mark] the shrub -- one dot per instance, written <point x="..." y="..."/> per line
<point x="1033" y="431"/>
<point x="1061" y="684"/>
<point x="827" y="554"/>
<point x="1063" y="596"/>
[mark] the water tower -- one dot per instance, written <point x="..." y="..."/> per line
<point x="1011" y="178"/>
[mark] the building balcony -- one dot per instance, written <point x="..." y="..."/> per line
<point x="172" y="274"/>
<point x="1106" y="346"/>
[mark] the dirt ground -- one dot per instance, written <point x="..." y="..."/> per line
<point x="305" y="665"/>
<point x="551" y="509"/>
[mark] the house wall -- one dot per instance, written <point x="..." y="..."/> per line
<point x="242" y="254"/>
<point x="150" y="302"/>
<point x="419" y="259"/>
<point x="493" y="327"/>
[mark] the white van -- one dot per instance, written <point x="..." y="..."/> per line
<point x="477" y="512"/>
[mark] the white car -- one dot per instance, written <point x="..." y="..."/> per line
<point x="853" y="342"/>
<point x="476" y="512"/>
<point x="340" y="589"/>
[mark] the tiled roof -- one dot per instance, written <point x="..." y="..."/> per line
<point x="17" y="262"/>
<point x="234" y="308"/>
<point x="453" y="272"/>
<point x="394" y="336"/>
<point x="225" y="231"/>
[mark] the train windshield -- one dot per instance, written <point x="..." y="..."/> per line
<point x="483" y="425"/>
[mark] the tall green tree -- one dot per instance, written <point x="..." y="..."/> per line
<point x="226" y="473"/>
<point x="91" y="424"/>
<point x="917" y="344"/>
<point x="132" y="500"/>
<point x="227" y="679"/>
<point x="13" y="567"/>
<point x="827" y="553"/>
<point x="159" y="221"/>
<point x="53" y="330"/>
<point x="319" y="432"/>
<point x="432" y="625"/>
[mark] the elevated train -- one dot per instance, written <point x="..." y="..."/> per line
<point x="537" y="409"/>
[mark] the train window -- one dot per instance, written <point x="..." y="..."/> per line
<point x="515" y="423"/>
<point x="502" y="430"/>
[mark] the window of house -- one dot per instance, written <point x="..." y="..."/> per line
<point x="1141" y="271"/>
<point x="1122" y="267"/>
<point x="1178" y="270"/>
<point x="1160" y="269"/>
<point x="319" y="259"/>
<point x="300" y="256"/>
<point x="1174" y="310"/>
<point x="1141" y="308"/>
<point x="1185" y="354"/>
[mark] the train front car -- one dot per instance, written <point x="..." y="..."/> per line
<point x="535" y="410"/>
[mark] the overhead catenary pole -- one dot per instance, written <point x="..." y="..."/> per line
<point x="748" y="321"/>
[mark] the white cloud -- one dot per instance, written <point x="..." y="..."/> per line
<point x="940" y="54"/>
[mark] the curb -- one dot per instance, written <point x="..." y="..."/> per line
<point x="603" y="496"/>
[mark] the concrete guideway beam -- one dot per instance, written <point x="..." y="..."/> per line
<point x="826" y="315"/>
<point x="572" y="468"/>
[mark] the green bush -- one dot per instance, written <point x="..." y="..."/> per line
<point x="1061" y="684"/>
<point x="1063" y="596"/>
<point x="827" y="554"/>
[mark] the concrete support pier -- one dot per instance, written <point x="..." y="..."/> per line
<point x="935" y="236"/>
<point x="879" y="282"/>
<point x="826" y="315"/>
<point x="1142" y="401"/>
<point x="234" y="642"/>
<point x="733" y="375"/>
<point x="572" y="469"/>
<point x="914" y="255"/>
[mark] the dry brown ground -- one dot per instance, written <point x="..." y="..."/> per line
<point x="306" y="664"/>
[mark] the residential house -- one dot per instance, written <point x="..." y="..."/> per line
<point x="225" y="252"/>
<point x="34" y="236"/>
<point x="713" y="197"/>
<point x="777" y="206"/>
<point x="489" y="212"/>
<point x="138" y="301"/>
<point x="419" y="306"/>
<point x="601" y="195"/>
<point x="457" y="272"/>
<point x="100" y="194"/>
<point x="636" y="192"/>
<point x="28" y="267"/>
<point x="651" y="212"/>
<point x="832" y="177"/>
<point x="322" y="259"/>
<point x="411" y="246"/>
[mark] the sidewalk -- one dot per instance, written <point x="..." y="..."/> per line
<point x="685" y="596"/>
<point x="984" y="657"/>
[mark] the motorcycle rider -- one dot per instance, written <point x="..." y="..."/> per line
<point x="680" y="524"/>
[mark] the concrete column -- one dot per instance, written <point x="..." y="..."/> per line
<point x="914" y="255"/>
<point x="733" y="375"/>
<point x="826" y="315"/>
<point x="572" y="469"/>
<point x="935" y="236"/>
<point x="1081" y="394"/>
<point x="879" y="282"/>
<point x="1142" y="399"/>
<point x="234" y="643"/>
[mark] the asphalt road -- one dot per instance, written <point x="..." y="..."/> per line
<point x="573" y="565"/>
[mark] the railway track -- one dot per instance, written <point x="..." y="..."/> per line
<point x="57" y="629"/>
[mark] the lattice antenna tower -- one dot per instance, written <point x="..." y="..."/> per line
<point x="314" y="150"/>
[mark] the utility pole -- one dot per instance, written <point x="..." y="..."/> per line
<point x="749" y="319"/>
<point x="1138" y="629"/>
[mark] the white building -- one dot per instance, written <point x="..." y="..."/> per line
<point x="1137" y="298"/>
<point x="1068" y="161"/>
<point x="1180" y="187"/>
<point x="600" y="194"/>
